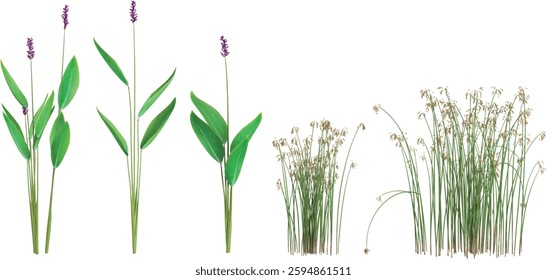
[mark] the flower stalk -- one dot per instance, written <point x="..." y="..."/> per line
<point x="133" y="152"/>
<point x="27" y="141"/>
<point x="213" y="133"/>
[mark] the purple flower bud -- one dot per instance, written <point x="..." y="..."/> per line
<point x="133" y="11"/>
<point x="224" y="47"/>
<point x="25" y="111"/>
<point x="65" y="16"/>
<point x="30" y="45"/>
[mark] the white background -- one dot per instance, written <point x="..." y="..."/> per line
<point x="294" y="61"/>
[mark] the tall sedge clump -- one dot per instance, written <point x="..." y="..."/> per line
<point x="133" y="152"/>
<point x="479" y="182"/>
<point x="313" y="190"/>
<point x="36" y="120"/>
<point x="214" y="134"/>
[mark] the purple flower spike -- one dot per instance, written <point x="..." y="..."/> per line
<point x="133" y="11"/>
<point x="25" y="111"/>
<point x="65" y="16"/>
<point x="30" y="45"/>
<point x="224" y="47"/>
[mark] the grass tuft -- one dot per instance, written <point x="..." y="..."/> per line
<point x="312" y="189"/>
<point x="478" y="181"/>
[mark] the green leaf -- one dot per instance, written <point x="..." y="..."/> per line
<point x="157" y="124"/>
<point x="16" y="134"/>
<point x="112" y="63"/>
<point x="69" y="83"/>
<point x="208" y="138"/>
<point x="115" y="132"/>
<point x="154" y="96"/>
<point x="41" y="119"/>
<point x="246" y="132"/>
<point x="212" y="117"/>
<point x="235" y="162"/>
<point x="57" y="125"/>
<point x="17" y="93"/>
<point x="59" y="145"/>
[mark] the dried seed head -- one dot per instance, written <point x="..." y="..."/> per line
<point x="361" y="126"/>
<point x="324" y="125"/>
<point x="353" y="165"/>
<point x="376" y="108"/>
<point x="367" y="250"/>
<point x="279" y="184"/>
<point x="294" y="130"/>
<point x="542" y="136"/>
<point x="275" y="143"/>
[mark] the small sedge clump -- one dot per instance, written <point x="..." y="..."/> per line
<point x="313" y="191"/>
<point x="479" y="181"/>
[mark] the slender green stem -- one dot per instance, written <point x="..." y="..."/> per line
<point x="49" y="216"/>
<point x="227" y="189"/>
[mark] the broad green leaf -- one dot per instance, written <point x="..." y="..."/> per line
<point x="59" y="145"/>
<point x="235" y="162"/>
<point x="115" y="132"/>
<point x="157" y="124"/>
<point x="41" y="119"/>
<point x="154" y="96"/>
<point x="17" y="93"/>
<point x="57" y="125"/>
<point x="112" y="63"/>
<point x="246" y="132"/>
<point x="16" y="134"/>
<point x="212" y="117"/>
<point x="33" y="120"/>
<point x="208" y="138"/>
<point x="69" y="83"/>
